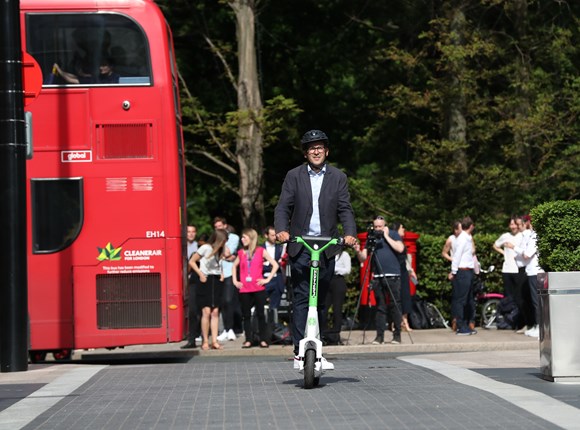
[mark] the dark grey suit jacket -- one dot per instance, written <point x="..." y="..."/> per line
<point x="294" y="208"/>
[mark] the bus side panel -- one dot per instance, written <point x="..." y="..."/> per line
<point x="175" y="291"/>
<point x="50" y="305"/>
<point x="122" y="301"/>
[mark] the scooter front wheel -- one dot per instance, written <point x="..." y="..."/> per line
<point x="309" y="362"/>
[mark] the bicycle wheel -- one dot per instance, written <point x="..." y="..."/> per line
<point x="309" y="361"/>
<point x="489" y="312"/>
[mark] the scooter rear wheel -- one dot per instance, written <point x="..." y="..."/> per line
<point x="309" y="362"/>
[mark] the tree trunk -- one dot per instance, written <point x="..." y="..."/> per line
<point x="249" y="141"/>
<point x="522" y="81"/>
<point x="456" y="123"/>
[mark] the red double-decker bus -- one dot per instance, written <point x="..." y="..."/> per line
<point x="105" y="184"/>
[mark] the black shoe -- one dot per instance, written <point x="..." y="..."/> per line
<point x="189" y="345"/>
<point x="396" y="338"/>
<point x="378" y="340"/>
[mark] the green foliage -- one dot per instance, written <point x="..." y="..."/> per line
<point x="383" y="79"/>
<point x="557" y="225"/>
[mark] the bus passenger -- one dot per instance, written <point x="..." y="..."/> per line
<point x="106" y="74"/>
<point x="211" y="284"/>
<point x="81" y="77"/>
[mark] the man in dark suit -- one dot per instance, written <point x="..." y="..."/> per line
<point x="313" y="200"/>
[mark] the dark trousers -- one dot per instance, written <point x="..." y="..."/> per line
<point x="387" y="287"/>
<point x="523" y="299"/>
<point x="335" y="299"/>
<point x="258" y="301"/>
<point x="230" y="304"/>
<point x="533" y="284"/>
<point x="461" y="298"/>
<point x="510" y="281"/>
<point x="300" y="271"/>
<point x="274" y="290"/>
<point x="193" y="313"/>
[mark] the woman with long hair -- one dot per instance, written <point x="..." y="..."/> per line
<point x="252" y="284"/>
<point x="206" y="262"/>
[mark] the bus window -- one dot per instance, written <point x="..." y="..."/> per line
<point x="57" y="214"/>
<point x="88" y="49"/>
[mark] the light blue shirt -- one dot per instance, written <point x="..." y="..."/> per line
<point x="232" y="244"/>
<point x="315" y="184"/>
<point x="191" y="248"/>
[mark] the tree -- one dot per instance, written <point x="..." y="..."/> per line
<point x="249" y="139"/>
<point x="228" y="145"/>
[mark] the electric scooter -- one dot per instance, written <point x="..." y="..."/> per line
<point x="310" y="348"/>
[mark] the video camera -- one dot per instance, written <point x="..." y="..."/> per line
<point x="373" y="236"/>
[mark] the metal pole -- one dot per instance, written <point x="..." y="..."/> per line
<point x="13" y="274"/>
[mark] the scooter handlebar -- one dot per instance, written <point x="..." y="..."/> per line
<point x="320" y="240"/>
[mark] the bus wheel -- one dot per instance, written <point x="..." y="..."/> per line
<point x="62" y="354"/>
<point x="37" y="356"/>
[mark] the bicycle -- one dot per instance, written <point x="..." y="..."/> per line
<point x="310" y="348"/>
<point x="486" y="302"/>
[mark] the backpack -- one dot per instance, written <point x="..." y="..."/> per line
<point x="425" y="315"/>
<point x="434" y="317"/>
<point x="418" y="316"/>
<point x="508" y="314"/>
<point x="281" y="335"/>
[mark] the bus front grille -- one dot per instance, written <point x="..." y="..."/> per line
<point x="129" y="301"/>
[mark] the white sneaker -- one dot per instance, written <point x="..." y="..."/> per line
<point x="533" y="332"/>
<point x="297" y="362"/>
<point x="223" y="336"/>
<point x="523" y="329"/>
<point x="326" y="365"/>
<point x="198" y="339"/>
<point x="231" y="335"/>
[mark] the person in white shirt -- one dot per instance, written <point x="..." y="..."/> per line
<point x="274" y="288"/>
<point x="513" y="269"/>
<point x="191" y="242"/>
<point x="527" y="251"/>
<point x="207" y="263"/>
<point x="335" y="298"/>
<point x="449" y="246"/>
<point x="461" y="277"/>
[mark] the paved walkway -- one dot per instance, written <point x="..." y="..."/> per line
<point x="440" y="381"/>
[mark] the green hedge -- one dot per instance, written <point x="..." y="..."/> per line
<point x="558" y="227"/>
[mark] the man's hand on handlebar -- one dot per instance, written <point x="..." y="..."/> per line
<point x="350" y="241"/>
<point x="283" y="236"/>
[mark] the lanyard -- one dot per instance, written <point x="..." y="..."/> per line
<point x="249" y="260"/>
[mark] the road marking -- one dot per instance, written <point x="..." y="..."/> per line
<point x="538" y="404"/>
<point x="25" y="411"/>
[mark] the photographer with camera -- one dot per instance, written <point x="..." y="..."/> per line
<point x="383" y="245"/>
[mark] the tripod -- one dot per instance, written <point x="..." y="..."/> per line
<point x="384" y="283"/>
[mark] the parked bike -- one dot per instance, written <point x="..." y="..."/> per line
<point x="486" y="303"/>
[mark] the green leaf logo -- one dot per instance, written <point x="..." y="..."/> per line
<point x="109" y="252"/>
